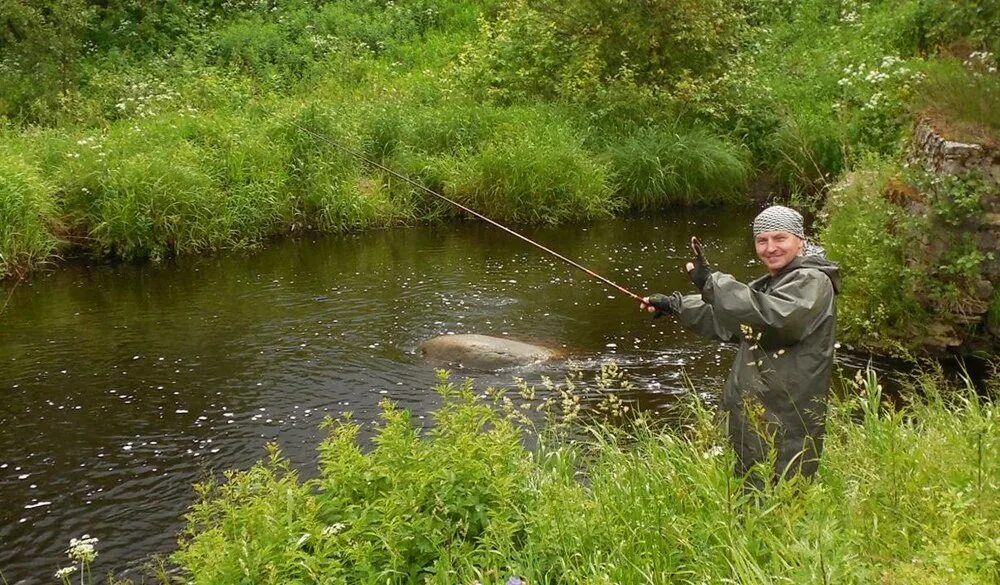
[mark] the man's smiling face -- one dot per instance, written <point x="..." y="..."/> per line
<point x="777" y="249"/>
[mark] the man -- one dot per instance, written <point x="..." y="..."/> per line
<point x="785" y="323"/>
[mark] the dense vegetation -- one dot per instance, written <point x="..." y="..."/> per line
<point x="906" y="495"/>
<point x="148" y="129"/>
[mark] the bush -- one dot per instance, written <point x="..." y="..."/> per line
<point x="869" y="237"/>
<point x="463" y="500"/>
<point x="406" y="510"/>
<point x="259" y="47"/>
<point x="548" y="49"/>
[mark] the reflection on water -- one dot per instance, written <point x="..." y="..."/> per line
<point x="122" y="386"/>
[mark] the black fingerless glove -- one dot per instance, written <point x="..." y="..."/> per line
<point x="665" y="305"/>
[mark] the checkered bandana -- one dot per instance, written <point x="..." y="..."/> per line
<point x="779" y="219"/>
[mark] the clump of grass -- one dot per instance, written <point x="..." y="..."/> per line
<point x="462" y="501"/>
<point x="171" y="184"/>
<point x="27" y="213"/>
<point x="962" y="102"/>
<point x="452" y="126"/>
<point x="659" y="167"/>
<point x="534" y="169"/>
<point x="333" y="191"/>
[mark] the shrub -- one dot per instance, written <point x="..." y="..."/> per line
<point x="904" y="495"/>
<point x="408" y="509"/>
<point x="258" y="47"/>
<point x="548" y="49"/>
<point x="869" y="237"/>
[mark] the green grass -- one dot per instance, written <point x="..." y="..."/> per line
<point x="26" y="215"/>
<point x="962" y="101"/>
<point x="904" y="495"/>
<point x="867" y="235"/>
<point x="656" y="168"/>
<point x="534" y="168"/>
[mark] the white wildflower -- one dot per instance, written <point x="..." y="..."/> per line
<point x="65" y="572"/>
<point x="713" y="452"/>
<point x="82" y="549"/>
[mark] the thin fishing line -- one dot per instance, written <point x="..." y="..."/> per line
<point x="468" y="210"/>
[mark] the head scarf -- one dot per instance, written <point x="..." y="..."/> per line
<point x="779" y="218"/>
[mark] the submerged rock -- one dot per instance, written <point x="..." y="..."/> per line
<point x="483" y="352"/>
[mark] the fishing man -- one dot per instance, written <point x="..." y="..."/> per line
<point x="784" y="322"/>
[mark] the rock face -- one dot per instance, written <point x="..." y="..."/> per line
<point x="482" y="352"/>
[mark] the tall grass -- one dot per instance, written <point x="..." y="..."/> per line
<point x="534" y="169"/>
<point x="27" y="217"/>
<point x="655" y="168"/>
<point x="962" y="100"/>
<point x="904" y="495"/>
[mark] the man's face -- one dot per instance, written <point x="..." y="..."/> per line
<point x="777" y="249"/>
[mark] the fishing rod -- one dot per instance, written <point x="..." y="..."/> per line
<point x="468" y="210"/>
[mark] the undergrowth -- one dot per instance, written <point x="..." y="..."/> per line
<point x="905" y="494"/>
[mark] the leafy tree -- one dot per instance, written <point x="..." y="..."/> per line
<point x="41" y="44"/>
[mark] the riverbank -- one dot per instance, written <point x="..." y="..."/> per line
<point x="904" y="495"/>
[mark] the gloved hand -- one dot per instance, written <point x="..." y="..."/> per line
<point x="660" y="305"/>
<point x="700" y="269"/>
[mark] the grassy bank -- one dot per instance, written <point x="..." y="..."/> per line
<point x="904" y="495"/>
<point x="156" y="152"/>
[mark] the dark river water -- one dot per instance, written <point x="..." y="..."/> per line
<point x="124" y="385"/>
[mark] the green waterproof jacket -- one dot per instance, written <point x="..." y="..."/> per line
<point x="778" y="386"/>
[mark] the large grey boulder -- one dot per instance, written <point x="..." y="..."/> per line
<point x="482" y="352"/>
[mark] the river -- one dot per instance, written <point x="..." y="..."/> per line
<point x="124" y="385"/>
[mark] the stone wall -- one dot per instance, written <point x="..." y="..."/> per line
<point x="953" y="158"/>
<point x="969" y="330"/>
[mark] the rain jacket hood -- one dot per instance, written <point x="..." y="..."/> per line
<point x="830" y="269"/>
<point x="780" y="379"/>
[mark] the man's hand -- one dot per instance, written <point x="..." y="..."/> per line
<point x="699" y="270"/>
<point x="659" y="305"/>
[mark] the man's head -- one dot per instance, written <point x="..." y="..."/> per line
<point x="779" y="237"/>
